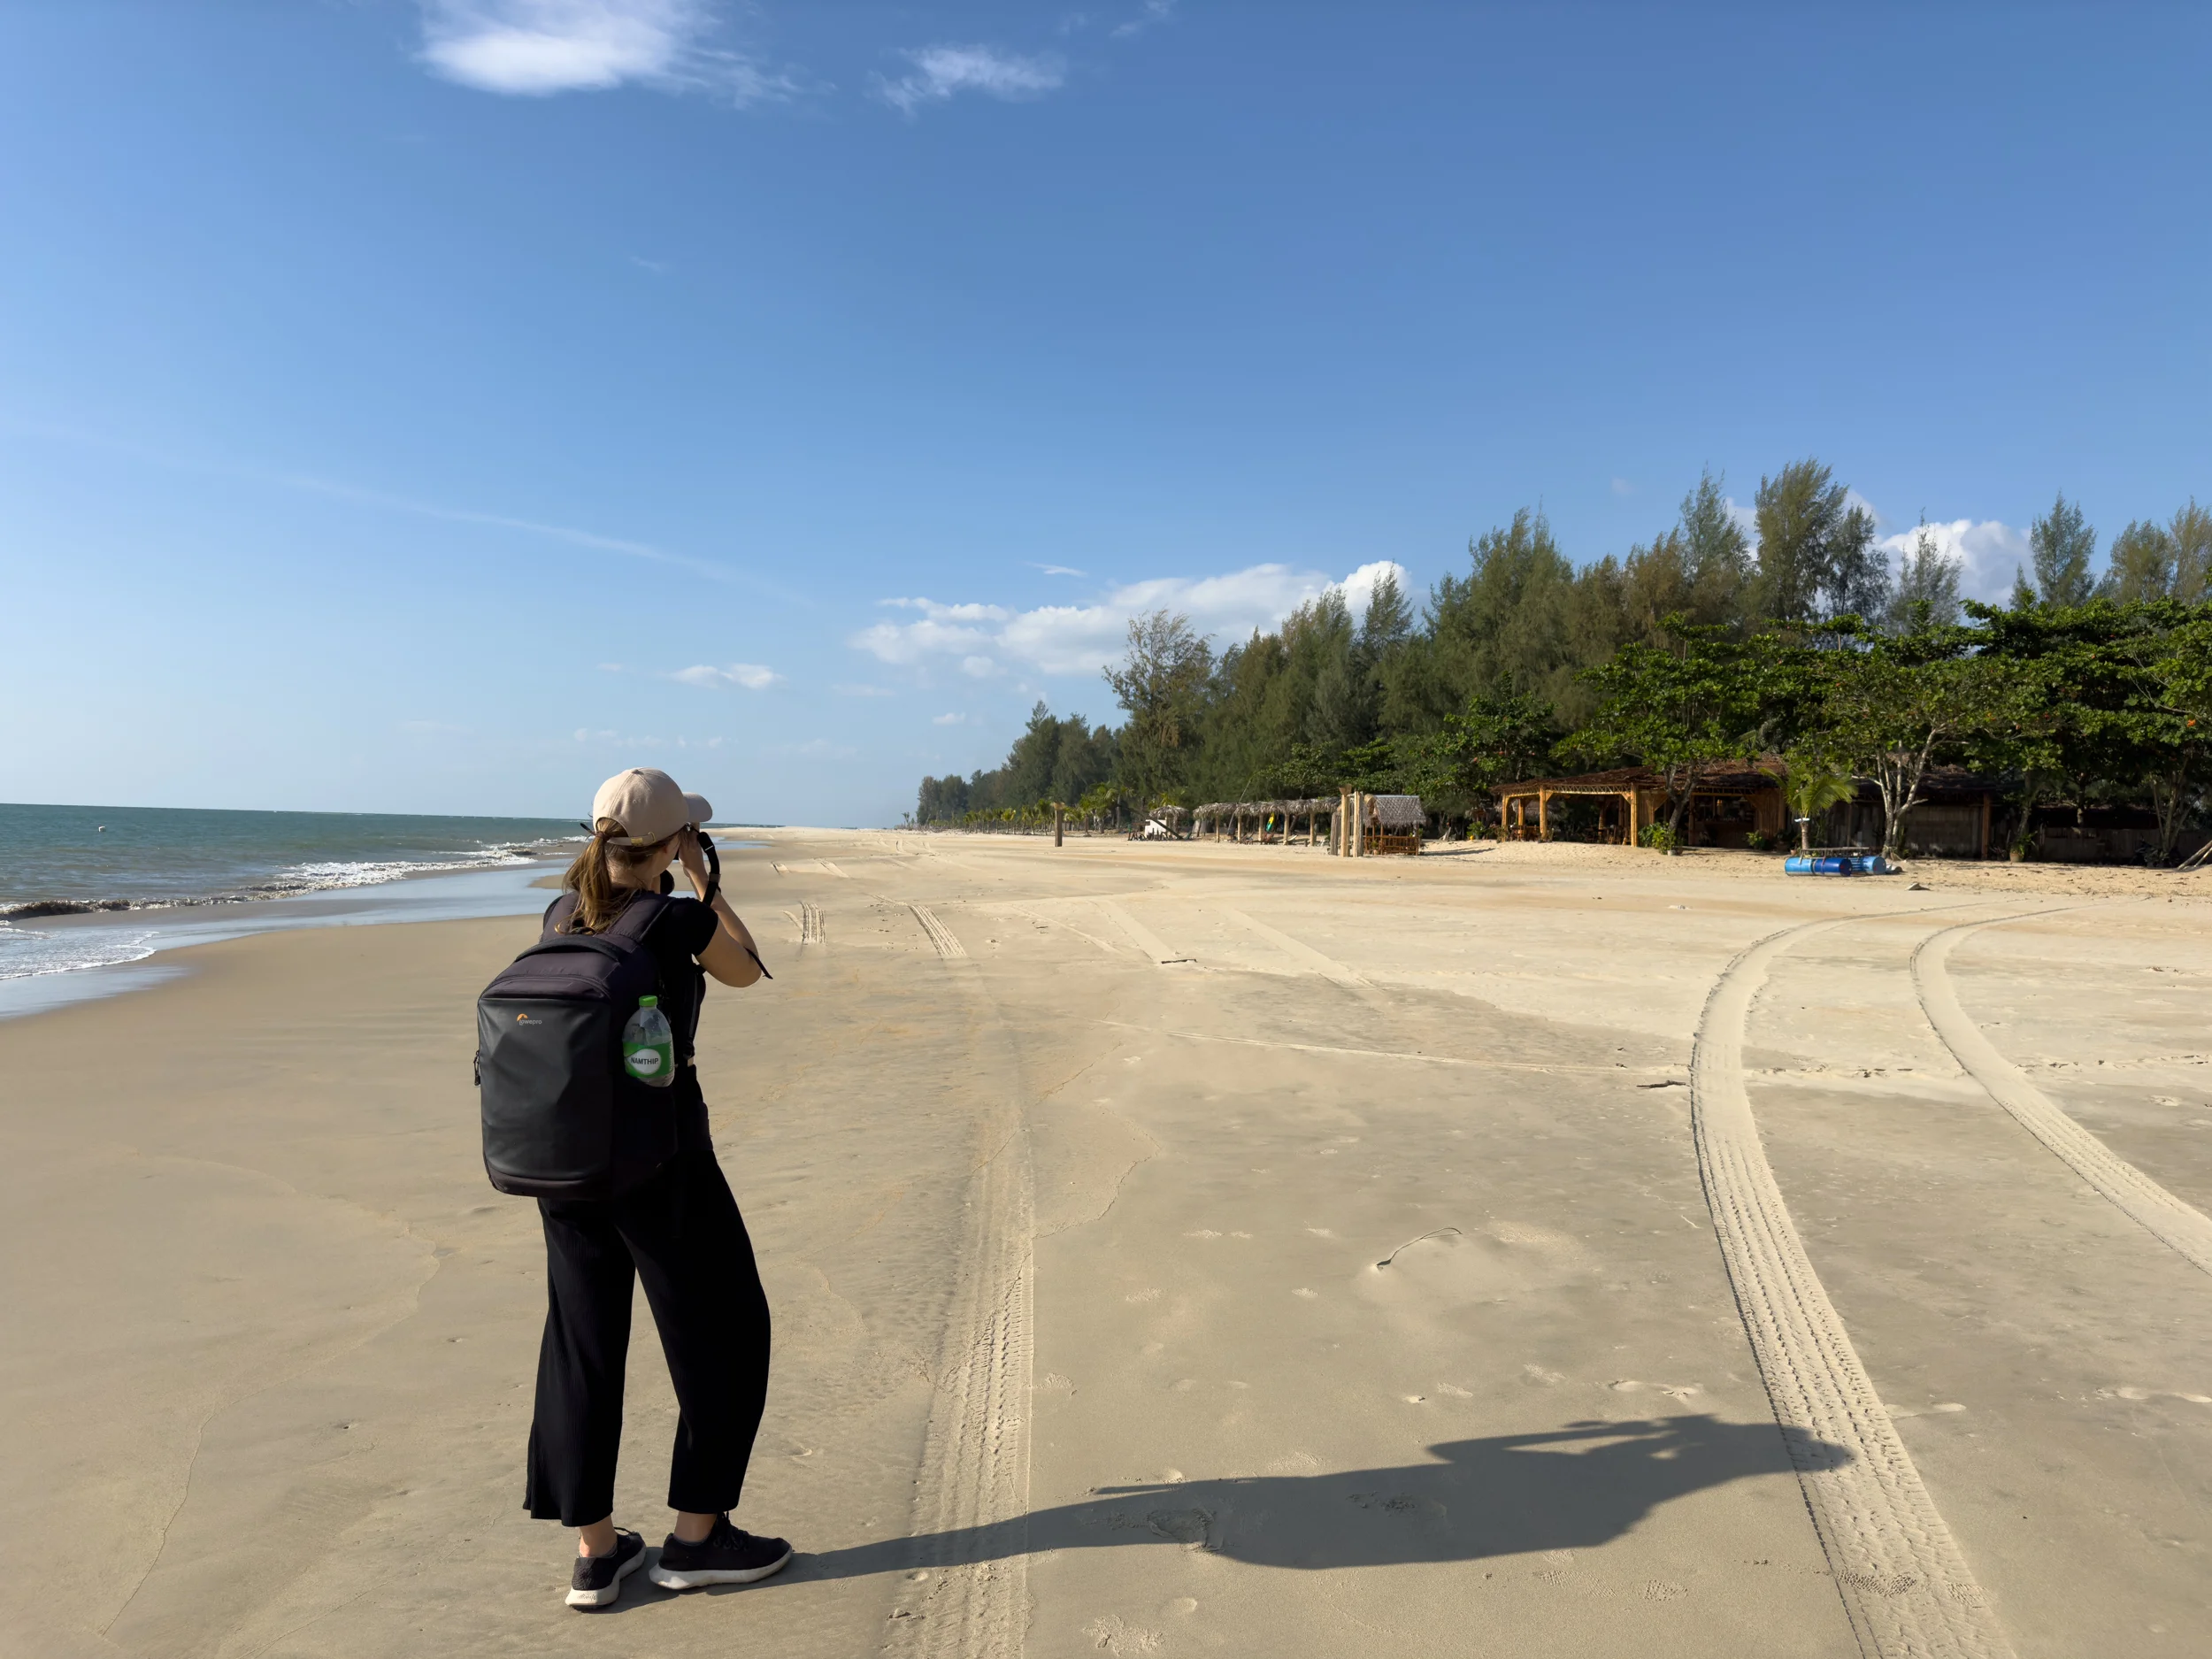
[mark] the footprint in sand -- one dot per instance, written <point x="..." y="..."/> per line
<point x="1680" y="1391"/>
<point x="1452" y="1267"/>
<point x="2132" y="1393"/>
<point x="1114" y="1635"/>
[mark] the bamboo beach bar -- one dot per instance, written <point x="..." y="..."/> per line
<point x="1353" y="824"/>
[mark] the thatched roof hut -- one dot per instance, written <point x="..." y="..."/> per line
<point x="1399" y="814"/>
<point x="1236" y="816"/>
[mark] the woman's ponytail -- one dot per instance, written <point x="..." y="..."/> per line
<point x="600" y="898"/>
<point x="588" y="878"/>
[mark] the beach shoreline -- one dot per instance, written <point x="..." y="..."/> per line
<point x="1341" y="1222"/>
<point x="101" y="955"/>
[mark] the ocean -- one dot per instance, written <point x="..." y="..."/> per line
<point x="55" y="860"/>
<point x="85" y="887"/>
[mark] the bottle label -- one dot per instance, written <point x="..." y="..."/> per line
<point x="643" y="1062"/>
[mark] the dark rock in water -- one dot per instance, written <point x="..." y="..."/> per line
<point x="61" y="907"/>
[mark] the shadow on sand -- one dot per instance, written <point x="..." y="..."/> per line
<point x="1571" y="1488"/>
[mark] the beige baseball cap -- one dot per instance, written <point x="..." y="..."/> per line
<point x="647" y="805"/>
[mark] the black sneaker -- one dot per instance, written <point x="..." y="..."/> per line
<point x="598" y="1580"/>
<point x="728" y="1555"/>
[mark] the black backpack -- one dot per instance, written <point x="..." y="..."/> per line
<point x="563" y="1118"/>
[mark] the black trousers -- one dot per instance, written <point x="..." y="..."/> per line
<point x="679" y="1232"/>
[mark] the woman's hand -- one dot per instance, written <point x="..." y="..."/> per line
<point x="695" y="859"/>
<point x="731" y="955"/>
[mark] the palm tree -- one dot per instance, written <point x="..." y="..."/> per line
<point x="1811" y="788"/>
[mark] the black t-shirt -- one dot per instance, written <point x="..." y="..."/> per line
<point x="684" y="928"/>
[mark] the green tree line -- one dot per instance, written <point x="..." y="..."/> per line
<point x="1707" y="645"/>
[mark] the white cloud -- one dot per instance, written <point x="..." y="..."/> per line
<point x="1989" y="553"/>
<point x="942" y="631"/>
<point x="751" y="676"/>
<point x="1747" y="519"/>
<point x="1154" y="11"/>
<point x="1057" y="569"/>
<point x="941" y="72"/>
<point x="585" y="734"/>
<point x="949" y="719"/>
<point x="1622" y="486"/>
<point x="1359" y="587"/>
<point x="536" y="48"/>
<point x="813" y="746"/>
<point x="1082" y="638"/>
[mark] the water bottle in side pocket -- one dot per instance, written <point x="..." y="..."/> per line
<point x="649" y="1046"/>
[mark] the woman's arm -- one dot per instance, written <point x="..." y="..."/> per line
<point x="731" y="955"/>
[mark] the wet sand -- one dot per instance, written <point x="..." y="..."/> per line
<point x="1181" y="1249"/>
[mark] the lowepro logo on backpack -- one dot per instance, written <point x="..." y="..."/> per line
<point x="562" y="1116"/>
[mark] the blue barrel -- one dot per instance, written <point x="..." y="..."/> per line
<point x="1834" y="864"/>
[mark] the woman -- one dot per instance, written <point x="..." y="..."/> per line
<point x="678" y="1230"/>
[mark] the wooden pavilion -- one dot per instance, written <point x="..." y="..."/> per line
<point x="1953" y="819"/>
<point x="1724" y="808"/>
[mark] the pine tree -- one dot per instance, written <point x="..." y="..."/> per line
<point x="2062" y="543"/>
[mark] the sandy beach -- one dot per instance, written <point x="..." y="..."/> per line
<point x="1189" y="1248"/>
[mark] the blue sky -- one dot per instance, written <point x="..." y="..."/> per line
<point x="438" y="407"/>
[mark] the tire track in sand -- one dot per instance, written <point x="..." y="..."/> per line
<point x="2172" y="1221"/>
<point x="1139" y="935"/>
<point x="1313" y="961"/>
<point x="940" y="937"/>
<point x="968" y="1594"/>
<point x="1905" y="1586"/>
